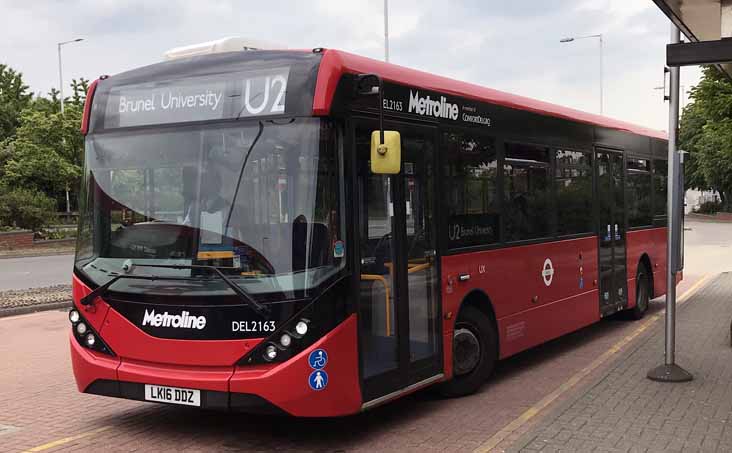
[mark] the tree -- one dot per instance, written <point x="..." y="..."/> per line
<point x="52" y="103"/>
<point x="26" y="208"/>
<point x="706" y="133"/>
<point x="14" y="97"/>
<point x="46" y="153"/>
<point x="79" y="89"/>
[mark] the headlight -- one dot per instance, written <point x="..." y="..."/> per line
<point x="285" y="340"/>
<point x="81" y="328"/>
<point x="301" y="328"/>
<point x="74" y="316"/>
<point x="270" y="352"/>
<point x="85" y="335"/>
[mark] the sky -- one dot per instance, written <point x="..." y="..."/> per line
<point x="509" y="45"/>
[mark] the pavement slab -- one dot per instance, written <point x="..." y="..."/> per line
<point x="624" y="411"/>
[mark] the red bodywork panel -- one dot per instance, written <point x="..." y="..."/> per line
<point x="195" y="377"/>
<point x="89" y="365"/>
<point x="335" y="63"/>
<point x="512" y="278"/>
<point x="87" y="107"/>
<point x="651" y="242"/>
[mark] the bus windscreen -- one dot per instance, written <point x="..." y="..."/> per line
<point x="258" y="199"/>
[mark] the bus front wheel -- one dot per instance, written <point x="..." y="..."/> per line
<point x="474" y="353"/>
<point x="642" y="293"/>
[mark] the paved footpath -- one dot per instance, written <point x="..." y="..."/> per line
<point x="623" y="411"/>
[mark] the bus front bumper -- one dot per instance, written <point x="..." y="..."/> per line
<point x="282" y="388"/>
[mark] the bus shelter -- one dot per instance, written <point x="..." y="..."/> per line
<point x="707" y="26"/>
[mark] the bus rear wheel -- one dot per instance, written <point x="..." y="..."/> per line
<point x="474" y="353"/>
<point x="642" y="294"/>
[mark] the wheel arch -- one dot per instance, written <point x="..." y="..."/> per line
<point x="645" y="260"/>
<point x="480" y="300"/>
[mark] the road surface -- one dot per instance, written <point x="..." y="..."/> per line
<point x="35" y="272"/>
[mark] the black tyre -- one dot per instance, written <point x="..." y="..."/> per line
<point x="474" y="353"/>
<point x="642" y="293"/>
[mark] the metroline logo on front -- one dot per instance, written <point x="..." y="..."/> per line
<point x="181" y="321"/>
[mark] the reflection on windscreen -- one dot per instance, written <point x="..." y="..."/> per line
<point x="260" y="199"/>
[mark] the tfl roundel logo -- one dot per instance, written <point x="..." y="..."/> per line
<point x="547" y="272"/>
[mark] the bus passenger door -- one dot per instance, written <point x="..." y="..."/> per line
<point x="611" y="229"/>
<point x="399" y="341"/>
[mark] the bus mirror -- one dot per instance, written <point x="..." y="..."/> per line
<point x="386" y="157"/>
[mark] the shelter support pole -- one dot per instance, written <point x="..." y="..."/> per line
<point x="670" y="371"/>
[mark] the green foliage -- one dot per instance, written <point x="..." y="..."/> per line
<point x="14" y="97"/>
<point x="706" y="133"/>
<point x="26" y="208"/>
<point x="46" y="152"/>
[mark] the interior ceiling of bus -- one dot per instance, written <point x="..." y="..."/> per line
<point x="701" y="20"/>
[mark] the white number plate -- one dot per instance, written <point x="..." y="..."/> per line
<point x="174" y="395"/>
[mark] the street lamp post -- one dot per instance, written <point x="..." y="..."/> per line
<point x="61" y="78"/>
<point x="570" y="39"/>
<point x="386" y="30"/>
<point x="61" y="93"/>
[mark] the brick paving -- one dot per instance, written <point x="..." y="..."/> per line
<point x="623" y="411"/>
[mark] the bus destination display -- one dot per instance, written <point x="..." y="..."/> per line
<point x="257" y="93"/>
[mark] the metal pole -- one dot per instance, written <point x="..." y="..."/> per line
<point x="60" y="79"/>
<point x="670" y="371"/>
<point x="386" y="30"/>
<point x="672" y="210"/>
<point x="601" y="75"/>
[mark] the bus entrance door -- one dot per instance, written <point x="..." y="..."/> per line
<point x="399" y="328"/>
<point x="611" y="231"/>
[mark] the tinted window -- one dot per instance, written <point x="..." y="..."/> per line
<point x="660" y="170"/>
<point x="574" y="192"/>
<point x="527" y="192"/>
<point x="472" y="206"/>
<point x="638" y="192"/>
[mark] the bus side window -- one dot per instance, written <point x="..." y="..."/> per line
<point x="638" y="190"/>
<point x="527" y="192"/>
<point x="573" y="179"/>
<point x="471" y="197"/>
<point x="660" y="179"/>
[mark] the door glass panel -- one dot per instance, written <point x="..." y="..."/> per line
<point x="605" y="199"/>
<point x="618" y="230"/>
<point x="417" y="174"/>
<point x="377" y="312"/>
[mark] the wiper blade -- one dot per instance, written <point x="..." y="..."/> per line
<point x="260" y="309"/>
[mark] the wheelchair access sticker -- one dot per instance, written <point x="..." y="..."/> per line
<point x="318" y="359"/>
<point x="318" y="380"/>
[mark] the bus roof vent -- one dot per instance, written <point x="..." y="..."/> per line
<point x="230" y="44"/>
